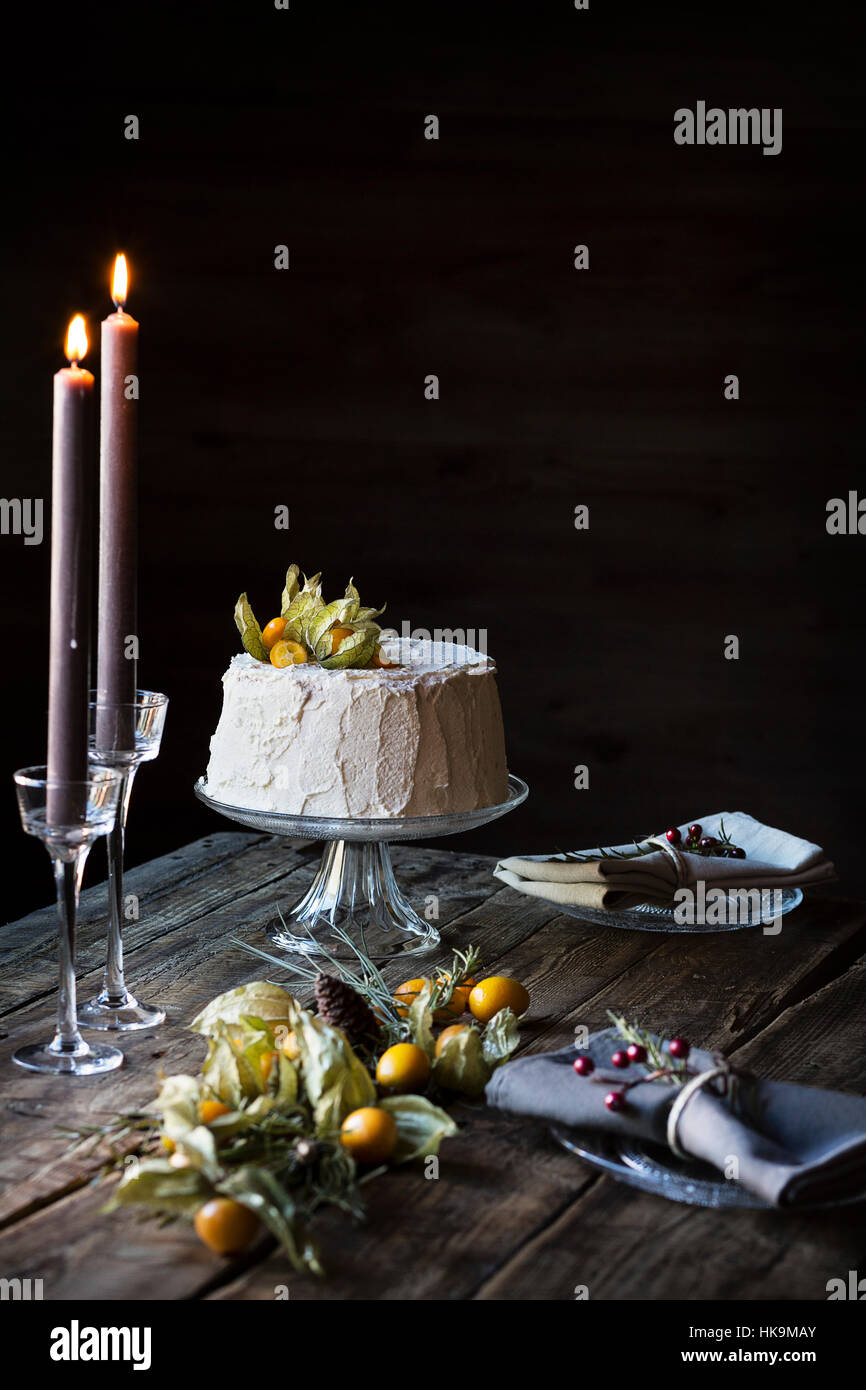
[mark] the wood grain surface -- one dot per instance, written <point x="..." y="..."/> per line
<point x="512" y="1215"/>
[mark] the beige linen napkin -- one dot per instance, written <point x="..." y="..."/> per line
<point x="774" y="859"/>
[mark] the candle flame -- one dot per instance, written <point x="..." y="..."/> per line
<point x="76" y="339"/>
<point x="120" y="281"/>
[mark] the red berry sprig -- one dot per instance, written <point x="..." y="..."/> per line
<point x="709" y="846"/>
<point x="648" y="1055"/>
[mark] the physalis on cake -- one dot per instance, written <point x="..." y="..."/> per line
<point x="337" y="635"/>
<point x="326" y="714"/>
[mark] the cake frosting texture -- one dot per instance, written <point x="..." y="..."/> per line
<point x="419" y="739"/>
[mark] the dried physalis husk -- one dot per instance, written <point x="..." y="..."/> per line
<point x="356" y="650"/>
<point x="291" y="589"/>
<point x="309" y="621"/>
<point x="340" y="613"/>
<point x="364" y="617"/>
<point x="461" y="1065"/>
<point x="358" y="645"/>
<point x="352" y="597"/>
<point x="251" y="633"/>
<point x="302" y="608"/>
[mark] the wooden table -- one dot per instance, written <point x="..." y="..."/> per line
<point x="512" y="1216"/>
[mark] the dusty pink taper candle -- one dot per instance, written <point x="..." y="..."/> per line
<point x="118" y="519"/>
<point x="72" y="497"/>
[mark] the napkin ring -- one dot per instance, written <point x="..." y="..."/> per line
<point x="680" y="865"/>
<point x="689" y="1089"/>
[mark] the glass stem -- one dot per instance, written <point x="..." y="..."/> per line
<point x="114" y="986"/>
<point x="67" y="877"/>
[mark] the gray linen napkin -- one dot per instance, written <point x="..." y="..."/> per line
<point x="774" y="859"/>
<point x="794" y="1145"/>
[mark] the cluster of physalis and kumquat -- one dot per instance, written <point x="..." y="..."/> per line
<point x="335" y="636"/>
<point x="295" y="1108"/>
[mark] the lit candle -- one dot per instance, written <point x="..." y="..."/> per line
<point x="72" y="487"/>
<point x="118" y="516"/>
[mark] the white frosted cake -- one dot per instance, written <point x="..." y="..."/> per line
<point x="419" y="738"/>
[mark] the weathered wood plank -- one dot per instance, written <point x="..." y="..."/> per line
<point x="627" y="1245"/>
<point x="171" y="891"/>
<point x="148" y="880"/>
<point x="497" y="1180"/>
<point x="183" y="969"/>
<point x="564" y="969"/>
<point x="173" y="895"/>
<point x="435" y="1239"/>
<point x="183" y="897"/>
<point x="721" y="990"/>
<point x="183" y="975"/>
<point x="82" y="1253"/>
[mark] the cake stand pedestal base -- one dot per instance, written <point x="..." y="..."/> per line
<point x="355" y="891"/>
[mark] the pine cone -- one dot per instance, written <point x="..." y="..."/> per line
<point x="343" y="1008"/>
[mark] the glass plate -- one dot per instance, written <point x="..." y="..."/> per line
<point x="650" y="917"/>
<point x="654" y="1169"/>
<point x="651" y="1168"/>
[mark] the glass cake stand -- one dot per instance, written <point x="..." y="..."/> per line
<point x="355" y="888"/>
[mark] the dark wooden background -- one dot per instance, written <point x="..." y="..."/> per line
<point x="261" y="127"/>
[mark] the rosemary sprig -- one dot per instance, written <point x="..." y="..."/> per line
<point x="658" y="1061"/>
<point x="86" y="1140"/>
<point x="367" y="979"/>
<point x="463" y="965"/>
<point x="640" y="850"/>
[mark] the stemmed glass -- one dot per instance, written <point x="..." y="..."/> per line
<point x="122" y="737"/>
<point x="67" y="817"/>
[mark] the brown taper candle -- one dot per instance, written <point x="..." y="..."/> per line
<point x="118" y="520"/>
<point x="72" y="498"/>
